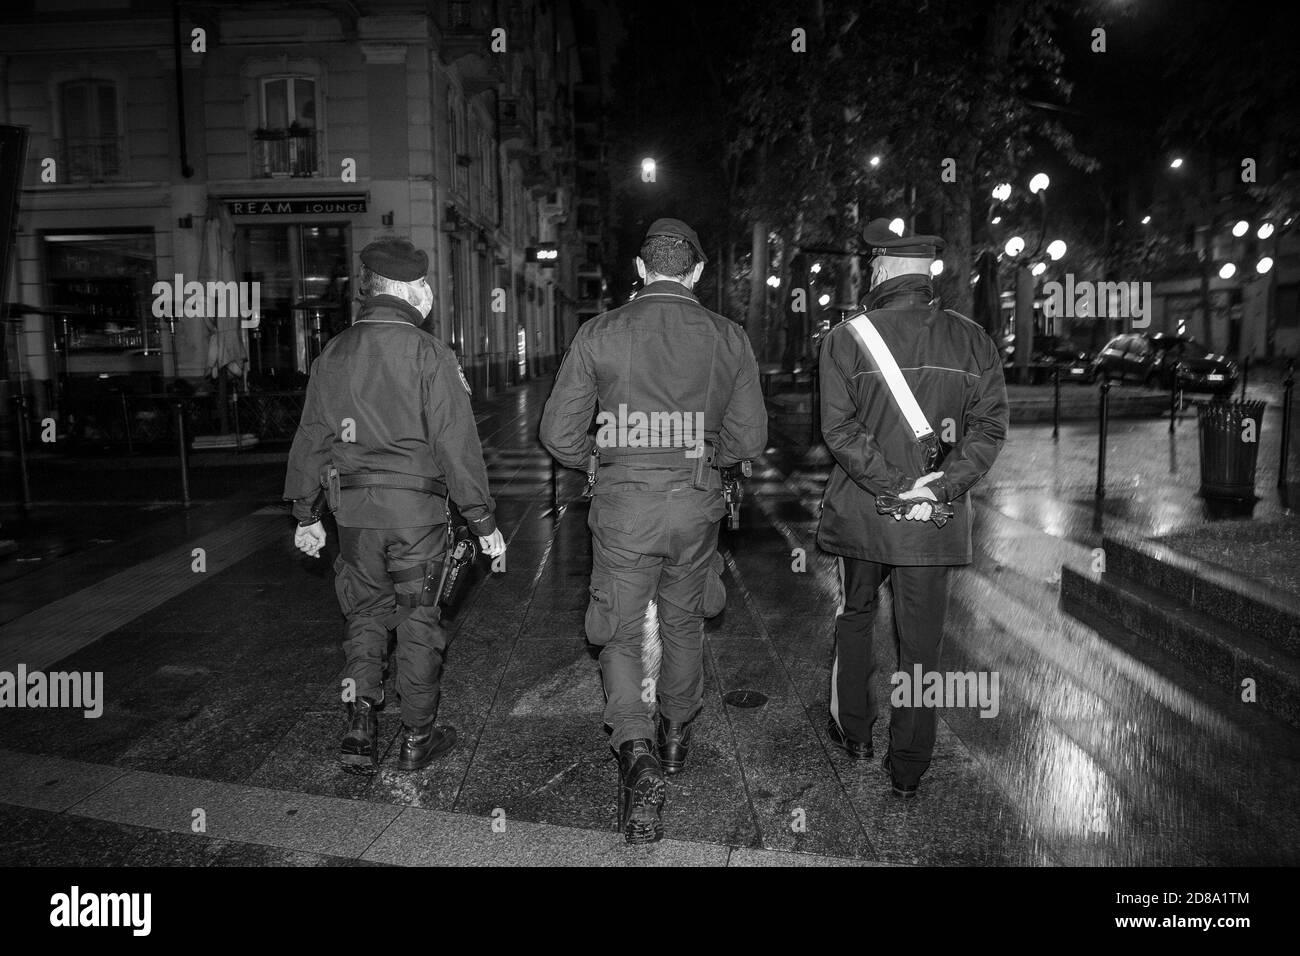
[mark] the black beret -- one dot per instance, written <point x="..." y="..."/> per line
<point x="679" y="230"/>
<point x="395" y="258"/>
<point x="884" y="242"/>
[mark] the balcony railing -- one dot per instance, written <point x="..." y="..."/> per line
<point x="92" y="159"/>
<point x="284" y="153"/>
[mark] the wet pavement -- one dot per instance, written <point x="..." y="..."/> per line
<point x="222" y="694"/>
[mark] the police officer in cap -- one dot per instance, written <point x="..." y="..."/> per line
<point x="953" y="370"/>
<point x="684" y="382"/>
<point x="386" y="435"/>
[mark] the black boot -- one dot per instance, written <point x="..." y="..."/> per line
<point x="674" y="744"/>
<point x="421" y="746"/>
<point x="359" y="752"/>
<point x="640" y="793"/>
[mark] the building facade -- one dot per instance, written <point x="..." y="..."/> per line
<point x="268" y="143"/>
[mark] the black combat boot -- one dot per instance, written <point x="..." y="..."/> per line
<point x="674" y="744"/>
<point x="640" y="793"/>
<point x="421" y="746"/>
<point x="359" y="752"/>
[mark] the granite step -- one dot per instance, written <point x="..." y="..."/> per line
<point x="1231" y="598"/>
<point x="1224" y="653"/>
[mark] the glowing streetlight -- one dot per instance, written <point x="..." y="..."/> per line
<point x="874" y="161"/>
<point x="1039" y="183"/>
<point x="1015" y="245"/>
<point x="1056" y="249"/>
<point x="1264" y="265"/>
<point x="1038" y="269"/>
<point x="824" y="300"/>
<point x="897" y="226"/>
<point x="647" y="170"/>
<point x="1146" y="220"/>
<point x="1241" y="228"/>
<point x="1228" y="271"/>
<point x="1002" y="192"/>
<point x="1176" y="163"/>
<point x="996" y="220"/>
<point x="1265" y="230"/>
<point x="816" y="268"/>
<point x="774" y="281"/>
<point x="936" y="267"/>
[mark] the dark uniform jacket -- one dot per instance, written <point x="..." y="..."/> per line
<point x="955" y="372"/>
<point x="662" y="353"/>
<point x="409" y="405"/>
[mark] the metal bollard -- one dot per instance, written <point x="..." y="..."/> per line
<point x="1104" y="412"/>
<point x="20" y="429"/>
<point x="1245" y="376"/>
<point x="555" y="488"/>
<point x="814" y="400"/>
<point x="1173" y="406"/>
<point x="1056" y="402"/>
<point x="239" y="438"/>
<point x="126" y="423"/>
<point x="185" y="461"/>
<point x="1286" y="425"/>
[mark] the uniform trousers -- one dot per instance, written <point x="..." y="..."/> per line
<point x="661" y="546"/>
<point x="920" y="606"/>
<point x="367" y="595"/>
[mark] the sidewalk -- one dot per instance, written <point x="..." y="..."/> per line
<point x="221" y="694"/>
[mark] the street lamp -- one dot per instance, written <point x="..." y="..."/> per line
<point x="1056" y="249"/>
<point x="774" y="281"/>
<point x="996" y="220"/>
<point x="1002" y="192"/>
<point x="815" y="268"/>
<point x="1146" y="220"/>
<point x="1176" y="163"/>
<point x="1038" y="269"/>
<point x="936" y="267"/>
<point x="1265" y="230"/>
<point x="874" y="161"/>
<point x="1264" y="265"/>
<point x="647" y="170"/>
<point x="825" y="300"/>
<point x="1241" y="228"/>
<point x="1227" y="271"/>
<point x="1015" y="245"/>
<point x="1039" y="183"/>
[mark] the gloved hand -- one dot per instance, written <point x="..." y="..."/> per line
<point x="493" y="544"/>
<point x="310" y="540"/>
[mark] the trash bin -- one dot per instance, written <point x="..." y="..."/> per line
<point x="1229" y="438"/>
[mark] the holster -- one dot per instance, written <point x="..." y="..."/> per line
<point x="702" y="477"/>
<point x="934" y="451"/>
<point x="329" y="479"/>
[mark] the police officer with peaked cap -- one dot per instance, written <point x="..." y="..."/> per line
<point x="955" y="373"/>
<point x="388" y="430"/>
<point x="657" y="499"/>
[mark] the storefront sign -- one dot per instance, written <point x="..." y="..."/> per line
<point x="340" y="204"/>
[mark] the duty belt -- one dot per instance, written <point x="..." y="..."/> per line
<point x="392" y="479"/>
<point x="670" y="456"/>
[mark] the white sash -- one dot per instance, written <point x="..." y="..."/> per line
<point x="871" y="342"/>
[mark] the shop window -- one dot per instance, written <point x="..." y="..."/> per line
<point x="304" y="281"/>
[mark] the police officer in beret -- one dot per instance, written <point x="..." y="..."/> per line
<point x="386" y="435"/>
<point x="684" y="382"/>
<point x="954" y="371"/>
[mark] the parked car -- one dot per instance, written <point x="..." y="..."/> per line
<point x="1161" y="360"/>
<point x="1050" y="352"/>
